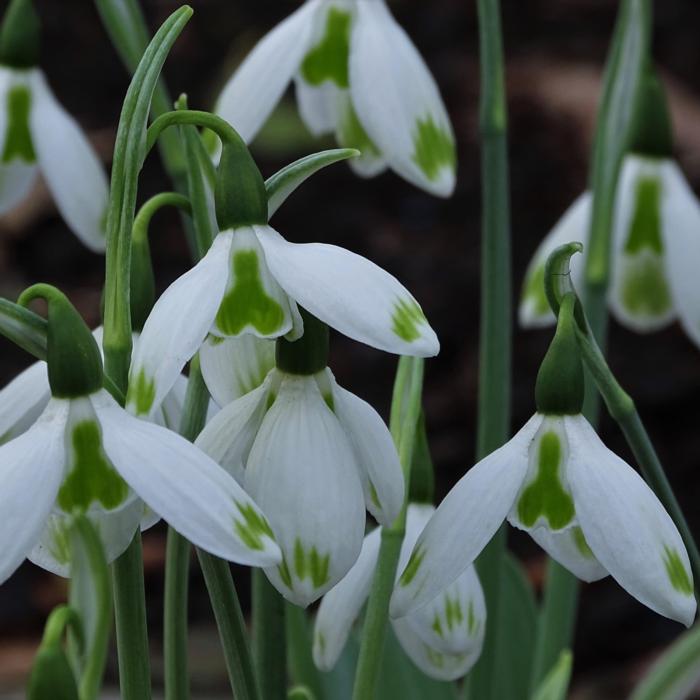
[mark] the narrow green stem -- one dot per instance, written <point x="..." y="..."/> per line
<point x="495" y="325"/>
<point x="60" y="619"/>
<point x="269" y="638"/>
<point x="405" y="412"/>
<point x="301" y="663"/>
<point x="231" y="624"/>
<point x="148" y="209"/>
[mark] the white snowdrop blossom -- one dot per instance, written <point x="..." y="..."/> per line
<point x="250" y="281"/>
<point x="583" y="504"/>
<point x="443" y="638"/>
<point x="357" y="75"/>
<point x="313" y="456"/>
<point x="38" y="135"/>
<point x="87" y="454"/>
<point x="656" y="238"/>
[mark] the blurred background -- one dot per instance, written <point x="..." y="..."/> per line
<point x="555" y="53"/>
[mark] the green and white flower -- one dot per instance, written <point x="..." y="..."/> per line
<point x="655" y="239"/>
<point x="250" y="281"/>
<point x="443" y="638"/>
<point x="314" y="456"/>
<point x="583" y="504"/>
<point x="358" y="75"/>
<point x="38" y="135"/>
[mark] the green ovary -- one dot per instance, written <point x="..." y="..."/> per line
<point x="91" y="478"/>
<point x="545" y="496"/>
<point x="328" y="60"/>
<point x="247" y="303"/>
<point x="676" y="571"/>
<point x="434" y="148"/>
<point x="141" y="393"/>
<point x="252" y="528"/>
<point x="18" y="138"/>
<point x="406" y="320"/>
<point x="534" y="291"/>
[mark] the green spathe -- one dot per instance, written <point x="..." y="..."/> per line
<point x="20" y="35"/>
<point x="434" y="148"/>
<point x="328" y="60"/>
<point x="73" y="358"/>
<point x="545" y="497"/>
<point x="18" y="138"/>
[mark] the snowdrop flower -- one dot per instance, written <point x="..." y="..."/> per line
<point x="314" y="456"/>
<point x="443" y="638"/>
<point x="38" y="135"/>
<point x="656" y="237"/>
<point x="579" y="501"/>
<point x="86" y="454"/>
<point x="358" y="75"/>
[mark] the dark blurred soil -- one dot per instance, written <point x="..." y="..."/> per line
<point x="555" y="51"/>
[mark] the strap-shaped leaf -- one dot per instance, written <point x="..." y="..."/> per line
<point x="556" y="682"/>
<point x="24" y="328"/>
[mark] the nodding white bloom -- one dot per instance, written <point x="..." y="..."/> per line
<point x="583" y="504"/>
<point x="443" y="638"/>
<point x="250" y="281"/>
<point x="314" y="456"/>
<point x="656" y="237"/>
<point x="38" y="135"/>
<point x="358" y="75"/>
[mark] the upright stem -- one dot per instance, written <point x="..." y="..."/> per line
<point x="269" y="638"/>
<point x="495" y="324"/>
<point x="177" y="566"/>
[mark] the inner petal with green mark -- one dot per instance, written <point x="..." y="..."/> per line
<point x="434" y="148"/>
<point x="18" y="138"/>
<point x="581" y="544"/>
<point x="252" y="527"/>
<point x="328" y="60"/>
<point x="351" y="133"/>
<point x="91" y="478"/>
<point x="253" y="300"/>
<point x="545" y="498"/>
<point x="310" y="563"/>
<point x="678" y="575"/>
<point x="414" y="564"/>
<point x="407" y="319"/>
<point x="141" y="393"/>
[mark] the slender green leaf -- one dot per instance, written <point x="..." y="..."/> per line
<point x="24" y="328"/>
<point x="556" y="682"/>
<point x="299" y="657"/>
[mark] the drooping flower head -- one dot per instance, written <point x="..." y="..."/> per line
<point x="357" y="75"/>
<point x="37" y="135"/>
<point x="86" y="454"/>
<point x="556" y="480"/>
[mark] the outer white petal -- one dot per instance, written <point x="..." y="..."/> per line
<point x="176" y="327"/>
<point x="301" y="471"/>
<point x="17" y="175"/>
<point x="398" y="102"/>
<point x="229" y="436"/>
<point x="31" y="470"/>
<point x="380" y="469"/>
<point x="185" y="487"/>
<point x="70" y="167"/>
<point x="260" y="81"/>
<point x="434" y="663"/>
<point x="627" y="528"/>
<point x="681" y="227"/>
<point x="570" y="549"/>
<point x="350" y="293"/>
<point x="232" y="367"/>
<point x="640" y="292"/>
<point x="23" y="400"/>
<point x="534" y="311"/>
<point x="341" y="606"/>
<point x="464" y="523"/>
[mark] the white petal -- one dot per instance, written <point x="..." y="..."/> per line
<point x="185" y="487"/>
<point x="302" y="472"/>
<point x="318" y="105"/>
<point x="229" y="436"/>
<point x="464" y="522"/>
<point x="534" y="311"/>
<point x="71" y="168"/>
<point x="351" y="294"/>
<point x="434" y="663"/>
<point x="23" y="400"/>
<point x="176" y="327"/>
<point x="31" y="469"/>
<point x="169" y="413"/>
<point x="640" y="292"/>
<point x="351" y="134"/>
<point x="341" y="606"/>
<point x="627" y="528"/>
<point x="253" y="302"/>
<point x="681" y="227"/>
<point x="398" y="102"/>
<point x="260" y="81"/>
<point x="17" y="167"/>
<point x="375" y="453"/>
<point x="571" y="550"/>
<point x="232" y="367"/>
